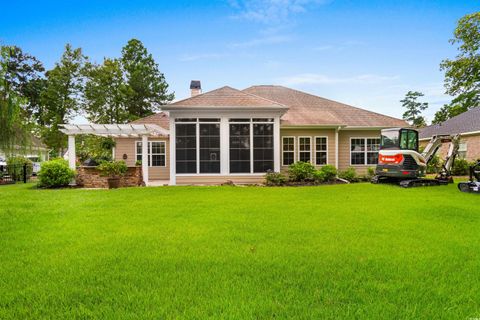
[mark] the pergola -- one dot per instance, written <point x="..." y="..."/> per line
<point x="114" y="131"/>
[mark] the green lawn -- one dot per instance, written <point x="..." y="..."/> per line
<point x="345" y="251"/>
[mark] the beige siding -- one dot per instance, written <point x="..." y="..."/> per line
<point x="344" y="148"/>
<point x="329" y="133"/>
<point x="216" y="180"/>
<point x="127" y="146"/>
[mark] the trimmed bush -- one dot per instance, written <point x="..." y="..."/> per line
<point x="113" y="168"/>
<point x="300" y="171"/>
<point x="370" y="173"/>
<point x="275" y="178"/>
<point x="461" y="167"/>
<point x="55" y="173"/>
<point x="329" y="172"/>
<point x="15" y="167"/>
<point x="434" y="165"/>
<point x="319" y="176"/>
<point x="350" y="175"/>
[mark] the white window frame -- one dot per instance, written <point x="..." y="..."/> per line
<point x="315" y="150"/>
<point x="365" y="152"/>
<point x="294" y="150"/>
<point x="298" y="144"/>
<point x="150" y="152"/>
<point x="462" y="149"/>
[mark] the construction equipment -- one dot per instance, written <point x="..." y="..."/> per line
<point x="400" y="161"/>
<point x="472" y="185"/>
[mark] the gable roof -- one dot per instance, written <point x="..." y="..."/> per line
<point x="307" y="109"/>
<point x="468" y="121"/>
<point x="225" y="97"/>
<point x="160" y="119"/>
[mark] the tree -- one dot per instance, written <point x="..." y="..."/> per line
<point x="147" y="89"/>
<point x="105" y="93"/>
<point x="414" y="108"/>
<point x="462" y="74"/>
<point x="13" y="128"/>
<point x="62" y="95"/>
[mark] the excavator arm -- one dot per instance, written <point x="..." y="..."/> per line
<point x="432" y="148"/>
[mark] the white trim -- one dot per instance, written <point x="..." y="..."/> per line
<point x="144" y="159"/>
<point x="220" y="175"/>
<point x="114" y="130"/>
<point x="71" y="152"/>
<point x="315" y="150"/>
<point x="336" y="146"/>
<point x="311" y="157"/>
<point x="276" y="145"/>
<point x="251" y="146"/>
<point x="470" y="133"/>
<point x="172" y="162"/>
<point x="150" y="154"/>
<point x="224" y="146"/>
<point x="365" y="152"/>
<point x="294" y="149"/>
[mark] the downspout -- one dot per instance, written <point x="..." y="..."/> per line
<point x="336" y="146"/>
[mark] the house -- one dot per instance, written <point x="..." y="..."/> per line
<point x="467" y="125"/>
<point x="238" y="135"/>
<point x="35" y="150"/>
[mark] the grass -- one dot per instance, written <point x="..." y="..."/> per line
<point x="343" y="251"/>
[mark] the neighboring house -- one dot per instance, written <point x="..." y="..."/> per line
<point x="35" y="151"/>
<point x="467" y="125"/>
<point x="238" y="135"/>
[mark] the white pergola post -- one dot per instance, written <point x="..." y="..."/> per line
<point x="173" y="171"/>
<point x="145" y="159"/>
<point x="71" y="152"/>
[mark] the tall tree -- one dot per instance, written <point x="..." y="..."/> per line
<point x="414" y="108"/>
<point x="462" y="74"/>
<point x="13" y="129"/>
<point x="62" y="95"/>
<point x="105" y="93"/>
<point x="147" y="89"/>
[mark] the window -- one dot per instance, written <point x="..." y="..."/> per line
<point x="156" y="153"/>
<point x="209" y="148"/>
<point x="288" y="150"/>
<point x="186" y="147"/>
<point x="304" y="149"/>
<point x="251" y="145"/>
<point x="197" y="146"/>
<point x="364" y="151"/>
<point x="262" y="147"/>
<point x="320" y="151"/>
<point x="462" y="150"/>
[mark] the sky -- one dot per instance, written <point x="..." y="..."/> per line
<point x="365" y="53"/>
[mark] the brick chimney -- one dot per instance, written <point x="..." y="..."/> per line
<point x="195" y="88"/>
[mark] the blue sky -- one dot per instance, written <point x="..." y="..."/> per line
<point x="365" y="53"/>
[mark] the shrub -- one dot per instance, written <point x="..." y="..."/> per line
<point x="275" y="178"/>
<point x="461" y="167"/>
<point x="113" y="168"/>
<point x="370" y="173"/>
<point x="15" y="167"/>
<point x="319" y="176"/>
<point x="55" y="173"/>
<point x="300" y="171"/>
<point x="434" y="165"/>
<point x="329" y="172"/>
<point x="350" y="175"/>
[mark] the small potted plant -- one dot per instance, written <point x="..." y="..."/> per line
<point x="113" y="170"/>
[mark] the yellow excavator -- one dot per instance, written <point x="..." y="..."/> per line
<point x="400" y="161"/>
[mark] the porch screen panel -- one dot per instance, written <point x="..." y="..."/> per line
<point x="239" y="147"/>
<point x="262" y="147"/>
<point x="210" y="148"/>
<point x="186" y="148"/>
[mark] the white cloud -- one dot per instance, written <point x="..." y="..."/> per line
<point x="203" y="56"/>
<point x="269" y="40"/>
<point x="271" y="11"/>
<point x="312" y="79"/>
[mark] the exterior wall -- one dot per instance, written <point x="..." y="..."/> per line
<point x="329" y="133"/>
<point x="220" y="179"/>
<point x="89" y="177"/>
<point x="344" y="148"/>
<point x="127" y="146"/>
<point x="473" y="147"/>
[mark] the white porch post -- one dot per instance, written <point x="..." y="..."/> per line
<point x="276" y="145"/>
<point x="71" y="152"/>
<point x="173" y="180"/>
<point x="336" y="147"/>
<point x="145" y="159"/>
<point x="224" y="146"/>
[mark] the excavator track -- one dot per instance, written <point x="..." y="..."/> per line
<point x="422" y="183"/>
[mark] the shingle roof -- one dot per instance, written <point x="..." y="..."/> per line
<point x="466" y="122"/>
<point x="225" y="97"/>
<point x="160" y="119"/>
<point x="308" y="109"/>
